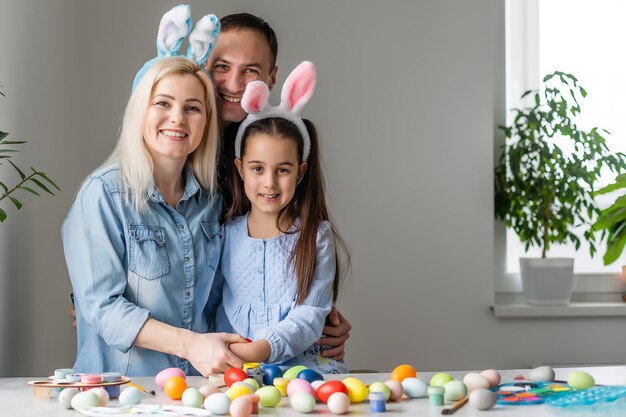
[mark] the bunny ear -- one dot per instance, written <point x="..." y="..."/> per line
<point x="203" y="38"/>
<point x="255" y="97"/>
<point x="174" y="27"/>
<point x="298" y="87"/>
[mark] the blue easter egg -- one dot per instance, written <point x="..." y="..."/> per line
<point x="270" y="372"/>
<point x="310" y="375"/>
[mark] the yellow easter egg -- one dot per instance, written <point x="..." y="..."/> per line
<point x="237" y="391"/>
<point x="357" y="390"/>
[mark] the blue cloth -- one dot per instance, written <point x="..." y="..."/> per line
<point x="126" y="266"/>
<point x="259" y="293"/>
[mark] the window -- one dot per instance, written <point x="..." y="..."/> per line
<point x="584" y="38"/>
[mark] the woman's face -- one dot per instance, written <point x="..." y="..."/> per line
<point x="270" y="172"/>
<point x="176" y="118"/>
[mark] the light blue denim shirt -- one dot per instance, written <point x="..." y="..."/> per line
<point x="259" y="294"/>
<point x="126" y="266"/>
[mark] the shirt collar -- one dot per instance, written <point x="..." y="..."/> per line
<point x="192" y="186"/>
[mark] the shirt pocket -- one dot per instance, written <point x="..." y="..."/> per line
<point x="148" y="256"/>
<point x="212" y="243"/>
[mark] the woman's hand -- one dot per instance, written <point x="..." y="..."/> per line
<point x="336" y="332"/>
<point x="209" y="352"/>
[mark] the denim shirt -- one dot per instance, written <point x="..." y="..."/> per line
<point x="259" y="294"/>
<point x="126" y="266"/>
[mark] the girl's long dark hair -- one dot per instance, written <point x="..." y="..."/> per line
<point x="308" y="203"/>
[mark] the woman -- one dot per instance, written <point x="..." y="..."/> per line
<point x="142" y="239"/>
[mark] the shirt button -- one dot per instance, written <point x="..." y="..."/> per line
<point x="182" y="226"/>
<point x="188" y="293"/>
<point x="186" y="258"/>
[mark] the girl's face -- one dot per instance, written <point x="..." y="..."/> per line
<point x="176" y="117"/>
<point x="270" y="171"/>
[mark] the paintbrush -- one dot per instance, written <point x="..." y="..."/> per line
<point x="455" y="406"/>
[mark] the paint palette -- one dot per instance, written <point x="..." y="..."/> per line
<point x="62" y="383"/>
<point x="529" y="393"/>
<point x="591" y="396"/>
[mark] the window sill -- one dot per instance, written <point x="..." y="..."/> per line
<point x="582" y="305"/>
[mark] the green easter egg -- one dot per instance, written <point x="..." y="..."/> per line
<point x="381" y="387"/>
<point x="192" y="398"/>
<point x="440" y="379"/>
<point x="292" y="373"/>
<point x="580" y="380"/>
<point x="455" y="390"/>
<point x="269" y="396"/>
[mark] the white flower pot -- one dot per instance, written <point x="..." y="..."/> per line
<point x="547" y="281"/>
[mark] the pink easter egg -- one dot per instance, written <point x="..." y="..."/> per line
<point x="297" y="385"/>
<point x="396" y="388"/>
<point x="207" y="390"/>
<point x="162" y="377"/>
<point x="241" y="407"/>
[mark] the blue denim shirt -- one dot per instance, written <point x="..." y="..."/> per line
<point x="126" y="266"/>
<point x="259" y="294"/>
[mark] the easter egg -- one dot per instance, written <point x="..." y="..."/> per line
<point x="192" y="398"/>
<point x="217" y="403"/>
<point x="492" y="376"/>
<point x="207" y="390"/>
<point x="84" y="399"/>
<point x="65" y="397"/>
<point x="455" y="390"/>
<point x="233" y="375"/>
<point x="401" y="372"/>
<point x="174" y="387"/>
<point x="580" y="380"/>
<point x="281" y="384"/>
<point x="303" y="402"/>
<point x="270" y="372"/>
<point x="474" y="381"/>
<point x="252" y="382"/>
<point x="310" y="375"/>
<point x="299" y="385"/>
<point x="482" y="399"/>
<point x="328" y="388"/>
<point x="241" y="407"/>
<point x="131" y="396"/>
<point x="161" y="378"/>
<point x="357" y="391"/>
<point x="292" y="373"/>
<point x="244" y="384"/>
<point x="382" y="388"/>
<point x="269" y="396"/>
<point x="542" y="374"/>
<point x="414" y="388"/>
<point x="440" y="379"/>
<point x="102" y="394"/>
<point x="395" y="388"/>
<point x="338" y="403"/>
<point x="237" y="391"/>
<point x="317" y="384"/>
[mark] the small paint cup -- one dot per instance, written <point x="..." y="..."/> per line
<point x="435" y="395"/>
<point x="378" y="402"/>
<point x="281" y="384"/>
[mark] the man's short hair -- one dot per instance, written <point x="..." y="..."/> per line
<point x="247" y="21"/>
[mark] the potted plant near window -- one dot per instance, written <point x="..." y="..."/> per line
<point x="32" y="182"/>
<point x="544" y="182"/>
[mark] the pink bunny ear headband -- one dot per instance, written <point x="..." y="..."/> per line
<point x="297" y="91"/>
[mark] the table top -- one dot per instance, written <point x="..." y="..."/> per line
<point x="17" y="398"/>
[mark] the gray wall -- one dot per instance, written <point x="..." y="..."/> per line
<point x="408" y="96"/>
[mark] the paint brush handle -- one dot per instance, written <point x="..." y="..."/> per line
<point x="455" y="406"/>
<point x="140" y="388"/>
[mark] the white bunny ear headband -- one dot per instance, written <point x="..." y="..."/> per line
<point x="297" y="91"/>
<point x="174" y="27"/>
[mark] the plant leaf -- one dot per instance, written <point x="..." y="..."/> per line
<point x="3" y="135"/>
<point x="30" y="190"/>
<point x="17" y="169"/>
<point x="44" y="176"/>
<point x="16" y="202"/>
<point x="40" y="185"/>
<point x="3" y="215"/>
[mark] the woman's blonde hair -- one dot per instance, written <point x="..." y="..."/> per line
<point x="131" y="152"/>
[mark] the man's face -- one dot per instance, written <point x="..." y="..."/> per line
<point x="239" y="56"/>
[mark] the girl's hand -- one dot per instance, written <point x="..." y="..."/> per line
<point x="209" y="352"/>
<point x="336" y="332"/>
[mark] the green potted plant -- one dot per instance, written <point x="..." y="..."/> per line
<point x="29" y="182"/>
<point x="612" y="221"/>
<point x="544" y="182"/>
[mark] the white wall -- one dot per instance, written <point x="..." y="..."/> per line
<point x="405" y="109"/>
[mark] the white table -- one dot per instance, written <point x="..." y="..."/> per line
<point x="17" y="398"/>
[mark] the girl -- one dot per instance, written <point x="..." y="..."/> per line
<point x="279" y="260"/>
